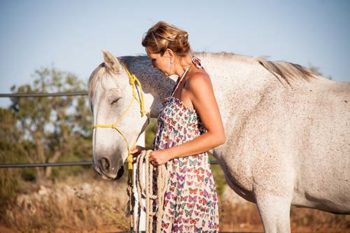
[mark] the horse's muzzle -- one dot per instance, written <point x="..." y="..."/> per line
<point x="105" y="169"/>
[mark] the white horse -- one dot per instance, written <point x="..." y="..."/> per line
<point x="287" y="130"/>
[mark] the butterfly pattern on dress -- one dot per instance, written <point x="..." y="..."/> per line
<point x="190" y="201"/>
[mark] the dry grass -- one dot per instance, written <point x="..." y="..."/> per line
<point x="76" y="205"/>
<point x="239" y="215"/>
<point x="89" y="204"/>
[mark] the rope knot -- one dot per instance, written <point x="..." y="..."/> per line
<point x="132" y="79"/>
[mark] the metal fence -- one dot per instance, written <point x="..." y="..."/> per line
<point x="58" y="164"/>
<point x="56" y="94"/>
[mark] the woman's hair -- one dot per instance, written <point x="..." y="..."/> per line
<point x="163" y="36"/>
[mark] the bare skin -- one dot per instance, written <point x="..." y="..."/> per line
<point x="196" y="92"/>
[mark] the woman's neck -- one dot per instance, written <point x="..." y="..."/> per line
<point x="182" y="64"/>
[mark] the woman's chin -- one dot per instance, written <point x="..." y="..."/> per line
<point x="161" y="71"/>
<point x="168" y="74"/>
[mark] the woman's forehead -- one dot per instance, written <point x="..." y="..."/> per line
<point x="150" y="54"/>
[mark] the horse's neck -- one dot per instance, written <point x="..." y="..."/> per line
<point x="156" y="87"/>
<point x="237" y="82"/>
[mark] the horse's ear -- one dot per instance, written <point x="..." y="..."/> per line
<point x="111" y="62"/>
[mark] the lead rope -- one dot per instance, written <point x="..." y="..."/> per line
<point x="154" y="195"/>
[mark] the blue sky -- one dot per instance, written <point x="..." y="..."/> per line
<point x="70" y="34"/>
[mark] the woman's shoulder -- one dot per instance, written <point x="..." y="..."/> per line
<point x="199" y="88"/>
<point x="198" y="81"/>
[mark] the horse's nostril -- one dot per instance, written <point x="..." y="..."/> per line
<point x="120" y="172"/>
<point x="104" y="164"/>
<point x="107" y="170"/>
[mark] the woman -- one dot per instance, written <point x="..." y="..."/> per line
<point x="188" y="126"/>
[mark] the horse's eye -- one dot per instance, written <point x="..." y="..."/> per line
<point x="114" y="101"/>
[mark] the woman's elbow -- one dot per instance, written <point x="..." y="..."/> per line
<point x="220" y="140"/>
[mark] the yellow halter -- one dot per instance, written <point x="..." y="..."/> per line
<point x="137" y="94"/>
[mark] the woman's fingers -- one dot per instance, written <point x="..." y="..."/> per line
<point x="136" y="150"/>
<point x="152" y="160"/>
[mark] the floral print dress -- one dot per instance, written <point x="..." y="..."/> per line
<point x="190" y="202"/>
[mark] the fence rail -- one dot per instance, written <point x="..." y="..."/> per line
<point x="58" y="164"/>
<point x="55" y="94"/>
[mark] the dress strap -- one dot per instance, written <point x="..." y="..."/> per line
<point x="179" y="80"/>
<point x="195" y="61"/>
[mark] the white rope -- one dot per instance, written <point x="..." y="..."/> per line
<point x="154" y="194"/>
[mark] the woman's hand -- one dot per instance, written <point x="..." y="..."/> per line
<point x="136" y="150"/>
<point x="159" y="157"/>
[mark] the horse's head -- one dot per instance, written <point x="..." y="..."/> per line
<point x="116" y="115"/>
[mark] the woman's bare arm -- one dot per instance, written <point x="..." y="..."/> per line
<point x="203" y="99"/>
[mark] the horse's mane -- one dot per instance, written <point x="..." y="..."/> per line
<point x="280" y="69"/>
<point x="286" y="70"/>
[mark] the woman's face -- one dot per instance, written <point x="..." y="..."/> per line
<point x="161" y="62"/>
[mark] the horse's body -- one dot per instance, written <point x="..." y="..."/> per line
<point x="288" y="131"/>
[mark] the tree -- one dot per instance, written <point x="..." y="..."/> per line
<point x="57" y="127"/>
<point x="10" y="151"/>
